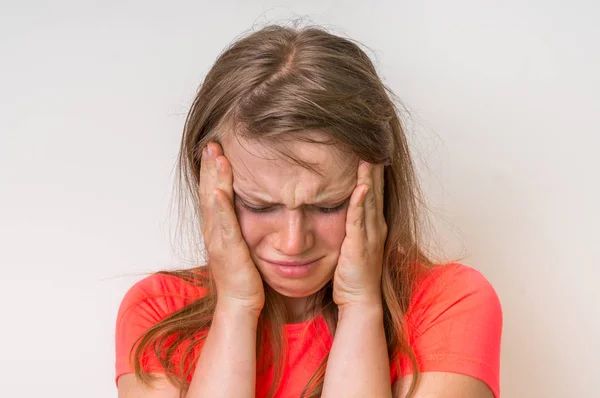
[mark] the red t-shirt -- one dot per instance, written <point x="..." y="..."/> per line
<point x="454" y="324"/>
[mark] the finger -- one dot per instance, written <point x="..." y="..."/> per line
<point x="203" y="181"/>
<point x="355" y="218"/>
<point x="224" y="176"/>
<point x="208" y="166"/>
<point x="205" y="187"/>
<point x="227" y="224"/>
<point x="372" y="175"/>
<point x="379" y="185"/>
<point x="365" y="176"/>
<point x="207" y="183"/>
<point x="364" y="173"/>
<point x="214" y="150"/>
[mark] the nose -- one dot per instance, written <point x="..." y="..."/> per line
<point x="295" y="236"/>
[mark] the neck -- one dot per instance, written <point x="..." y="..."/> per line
<point x="297" y="309"/>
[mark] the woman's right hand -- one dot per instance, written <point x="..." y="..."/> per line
<point x="239" y="285"/>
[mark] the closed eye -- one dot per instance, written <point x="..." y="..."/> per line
<point x="329" y="210"/>
<point x="324" y="210"/>
<point x="257" y="209"/>
<point x="253" y="209"/>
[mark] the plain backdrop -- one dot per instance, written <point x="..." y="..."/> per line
<point x="504" y="113"/>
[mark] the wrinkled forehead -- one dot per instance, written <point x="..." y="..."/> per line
<point x="251" y="159"/>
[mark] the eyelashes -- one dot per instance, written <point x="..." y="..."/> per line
<point x="336" y="209"/>
<point x="256" y="209"/>
<point x="322" y="210"/>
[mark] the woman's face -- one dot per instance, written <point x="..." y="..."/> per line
<point x="292" y="219"/>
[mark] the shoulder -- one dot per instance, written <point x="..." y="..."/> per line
<point x="451" y="285"/>
<point x="452" y="297"/>
<point x="145" y="304"/>
<point x="454" y="323"/>
<point x="158" y="295"/>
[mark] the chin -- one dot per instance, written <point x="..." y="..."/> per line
<point x="296" y="289"/>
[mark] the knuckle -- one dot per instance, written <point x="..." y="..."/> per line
<point x="225" y="228"/>
<point x="384" y="228"/>
<point x="372" y="199"/>
<point x="358" y="222"/>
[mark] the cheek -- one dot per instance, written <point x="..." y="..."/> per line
<point x="331" y="230"/>
<point x="254" y="227"/>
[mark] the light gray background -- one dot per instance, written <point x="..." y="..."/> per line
<point x="505" y="112"/>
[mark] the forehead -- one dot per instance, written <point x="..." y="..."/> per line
<point x="262" y="166"/>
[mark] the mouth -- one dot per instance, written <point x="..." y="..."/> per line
<point x="291" y="263"/>
<point x="293" y="269"/>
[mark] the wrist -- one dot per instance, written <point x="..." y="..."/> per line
<point x="235" y="309"/>
<point x="365" y="310"/>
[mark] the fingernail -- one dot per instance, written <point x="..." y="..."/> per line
<point x="210" y="151"/>
<point x="218" y="164"/>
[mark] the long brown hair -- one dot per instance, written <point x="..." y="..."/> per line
<point x="272" y="85"/>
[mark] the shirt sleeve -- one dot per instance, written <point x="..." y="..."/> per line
<point x="454" y="325"/>
<point x="144" y="305"/>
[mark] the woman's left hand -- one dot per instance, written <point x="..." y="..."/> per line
<point x="357" y="278"/>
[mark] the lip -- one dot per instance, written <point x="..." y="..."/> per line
<point x="292" y="263"/>
<point x="293" y="269"/>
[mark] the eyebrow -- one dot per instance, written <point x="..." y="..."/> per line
<point x="335" y="198"/>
